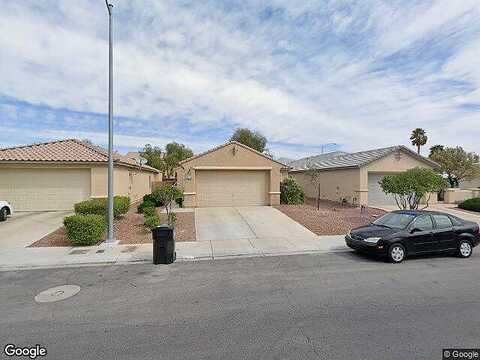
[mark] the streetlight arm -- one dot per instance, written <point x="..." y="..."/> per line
<point x="109" y="7"/>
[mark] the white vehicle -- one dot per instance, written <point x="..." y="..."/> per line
<point x="5" y="210"/>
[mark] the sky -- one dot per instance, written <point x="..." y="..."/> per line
<point x="356" y="75"/>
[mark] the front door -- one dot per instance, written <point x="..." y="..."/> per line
<point x="421" y="237"/>
<point x="444" y="232"/>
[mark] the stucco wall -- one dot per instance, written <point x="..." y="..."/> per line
<point x="126" y="182"/>
<point x="231" y="156"/>
<point x="334" y="184"/>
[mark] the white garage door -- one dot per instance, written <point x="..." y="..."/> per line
<point x="44" y="189"/>
<point x="231" y="188"/>
<point x="376" y="197"/>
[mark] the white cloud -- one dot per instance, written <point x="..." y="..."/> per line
<point x="304" y="78"/>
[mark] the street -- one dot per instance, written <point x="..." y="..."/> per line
<point x="331" y="306"/>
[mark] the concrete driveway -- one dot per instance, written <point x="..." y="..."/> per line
<point x="24" y="228"/>
<point x="253" y="230"/>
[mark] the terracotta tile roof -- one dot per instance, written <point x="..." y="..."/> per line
<point x="69" y="150"/>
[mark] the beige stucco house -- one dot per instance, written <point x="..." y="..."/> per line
<point x="355" y="176"/>
<point x="55" y="175"/>
<point x="230" y="175"/>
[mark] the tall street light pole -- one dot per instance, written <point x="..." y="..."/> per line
<point x="110" y="235"/>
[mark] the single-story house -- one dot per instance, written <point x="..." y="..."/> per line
<point x="355" y="176"/>
<point x="232" y="174"/>
<point x="55" y="175"/>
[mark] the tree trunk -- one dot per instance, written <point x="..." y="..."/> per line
<point x="418" y="149"/>
<point x="318" y="197"/>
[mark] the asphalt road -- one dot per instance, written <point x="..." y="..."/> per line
<point x="336" y="306"/>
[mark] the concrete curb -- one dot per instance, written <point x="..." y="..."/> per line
<point x="179" y="260"/>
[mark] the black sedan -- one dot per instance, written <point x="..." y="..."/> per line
<point x="408" y="232"/>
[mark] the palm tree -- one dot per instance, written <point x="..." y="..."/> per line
<point x="419" y="138"/>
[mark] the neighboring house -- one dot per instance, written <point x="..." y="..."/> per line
<point x="355" y="177"/>
<point x="55" y="175"/>
<point x="230" y="175"/>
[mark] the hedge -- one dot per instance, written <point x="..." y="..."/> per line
<point x="154" y="198"/>
<point x="470" y="204"/>
<point x="121" y="205"/>
<point x="85" y="230"/>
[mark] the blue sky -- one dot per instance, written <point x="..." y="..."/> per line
<point x="361" y="74"/>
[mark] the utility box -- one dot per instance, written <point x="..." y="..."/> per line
<point x="164" y="244"/>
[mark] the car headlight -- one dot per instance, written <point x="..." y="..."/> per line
<point x="372" y="240"/>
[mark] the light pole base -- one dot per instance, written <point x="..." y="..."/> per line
<point x="111" y="242"/>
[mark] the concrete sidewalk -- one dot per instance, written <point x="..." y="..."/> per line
<point x="34" y="258"/>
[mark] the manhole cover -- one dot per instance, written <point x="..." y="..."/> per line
<point x="57" y="293"/>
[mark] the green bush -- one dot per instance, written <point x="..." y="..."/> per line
<point x="85" y="230"/>
<point x="121" y="205"/>
<point x="153" y="198"/>
<point x="470" y="204"/>
<point x="149" y="211"/>
<point x="291" y="193"/>
<point x="152" y="221"/>
<point x="144" y="205"/>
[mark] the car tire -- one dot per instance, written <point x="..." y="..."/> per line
<point x="3" y="214"/>
<point x="396" y="253"/>
<point x="464" y="249"/>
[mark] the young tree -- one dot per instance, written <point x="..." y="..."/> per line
<point x="409" y="187"/>
<point x="419" y="138"/>
<point x="167" y="194"/>
<point x="457" y="164"/>
<point x="252" y="139"/>
<point x="314" y="176"/>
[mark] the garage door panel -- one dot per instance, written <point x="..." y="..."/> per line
<point x="231" y="188"/>
<point x="44" y="189"/>
<point x="376" y="196"/>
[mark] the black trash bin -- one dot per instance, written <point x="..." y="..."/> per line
<point x="164" y="244"/>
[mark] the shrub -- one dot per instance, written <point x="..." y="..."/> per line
<point x="153" y="198"/>
<point x="144" y="205"/>
<point x="85" y="230"/>
<point x="179" y="201"/>
<point x="121" y="205"/>
<point x="410" y="186"/>
<point x="470" y="204"/>
<point x="152" y="221"/>
<point x="291" y="193"/>
<point x="149" y="211"/>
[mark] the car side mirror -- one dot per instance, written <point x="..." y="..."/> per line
<point x="414" y="230"/>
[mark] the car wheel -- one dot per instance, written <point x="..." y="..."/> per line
<point x="3" y="214"/>
<point x="396" y="253"/>
<point x="464" y="249"/>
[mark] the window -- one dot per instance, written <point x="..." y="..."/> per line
<point x="456" y="221"/>
<point x="443" y="221"/>
<point x="394" y="220"/>
<point x="423" y="223"/>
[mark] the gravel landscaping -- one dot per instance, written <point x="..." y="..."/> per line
<point x="331" y="219"/>
<point x="129" y="230"/>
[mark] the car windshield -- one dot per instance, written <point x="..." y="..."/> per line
<point x="394" y="220"/>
